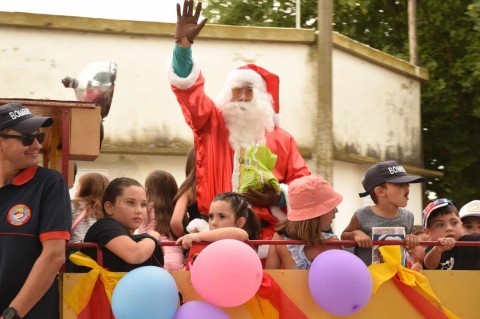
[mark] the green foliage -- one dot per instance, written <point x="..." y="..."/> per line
<point x="260" y="13"/>
<point x="449" y="48"/>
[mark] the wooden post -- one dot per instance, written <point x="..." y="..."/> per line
<point x="323" y="148"/>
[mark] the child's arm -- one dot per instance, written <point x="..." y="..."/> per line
<point x="412" y="241"/>
<point x="417" y="265"/>
<point x="213" y="235"/>
<point x="134" y="252"/>
<point x="352" y="232"/>
<point x="433" y="257"/>
<point x="273" y="258"/>
<point x="176" y="222"/>
<point x="328" y="247"/>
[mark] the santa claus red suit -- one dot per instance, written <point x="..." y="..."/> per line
<point x="222" y="130"/>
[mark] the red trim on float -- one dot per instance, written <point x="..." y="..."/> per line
<point x="62" y="234"/>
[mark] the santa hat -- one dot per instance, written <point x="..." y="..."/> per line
<point x="260" y="78"/>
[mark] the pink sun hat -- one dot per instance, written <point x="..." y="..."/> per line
<point x="311" y="196"/>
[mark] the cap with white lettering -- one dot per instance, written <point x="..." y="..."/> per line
<point x="17" y="117"/>
<point x="388" y="171"/>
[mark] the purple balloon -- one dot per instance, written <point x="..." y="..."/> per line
<point x="340" y="282"/>
<point x="200" y="310"/>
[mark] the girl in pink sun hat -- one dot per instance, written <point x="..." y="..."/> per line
<point x="312" y="208"/>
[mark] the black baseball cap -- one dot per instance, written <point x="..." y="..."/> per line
<point x="388" y="171"/>
<point x="17" y="117"/>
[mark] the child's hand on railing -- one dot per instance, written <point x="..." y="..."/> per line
<point x="411" y="241"/>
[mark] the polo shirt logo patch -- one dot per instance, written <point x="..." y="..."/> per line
<point x="19" y="215"/>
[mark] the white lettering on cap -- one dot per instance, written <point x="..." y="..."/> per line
<point x="396" y="169"/>
<point x="19" y="113"/>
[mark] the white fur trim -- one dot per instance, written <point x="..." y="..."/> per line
<point x="262" y="251"/>
<point x="183" y="83"/>
<point x="236" y="170"/>
<point x="197" y="225"/>
<point x="277" y="212"/>
<point x="276" y="119"/>
<point x="238" y="77"/>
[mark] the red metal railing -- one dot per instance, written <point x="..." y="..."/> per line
<point x="254" y="243"/>
<point x="336" y="243"/>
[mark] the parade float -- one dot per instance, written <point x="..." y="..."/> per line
<point x="227" y="281"/>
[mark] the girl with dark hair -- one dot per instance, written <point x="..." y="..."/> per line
<point x="230" y="217"/>
<point x="125" y="208"/>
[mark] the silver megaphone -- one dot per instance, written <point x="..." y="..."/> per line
<point x="95" y="84"/>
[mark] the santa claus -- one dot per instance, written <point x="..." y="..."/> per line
<point x="244" y="114"/>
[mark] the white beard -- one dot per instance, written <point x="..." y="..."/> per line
<point x="247" y="122"/>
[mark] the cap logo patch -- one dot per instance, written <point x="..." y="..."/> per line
<point x="396" y="169"/>
<point x="19" y="113"/>
<point x="19" y="215"/>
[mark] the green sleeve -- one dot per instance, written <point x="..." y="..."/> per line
<point x="182" y="61"/>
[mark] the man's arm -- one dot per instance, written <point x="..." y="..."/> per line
<point x="41" y="276"/>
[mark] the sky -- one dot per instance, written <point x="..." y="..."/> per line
<point x="142" y="10"/>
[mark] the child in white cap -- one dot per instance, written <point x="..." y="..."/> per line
<point x="470" y="216"/>
<point x="312" y="208"/>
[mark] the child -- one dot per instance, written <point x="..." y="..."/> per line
<point x="124" y="205"/>
<point x="442" y="222"/>
<point x="161" y="188"/>
<point x="230" y="217"/>
<point x="417" y="254"/>
<point x="388" y="185"/>
<point x="470" y="216"/>
<point x="86" y="209"/>
<point x="186" y="208"/>
<point x="312" y="208"/>
<point x="87" y="204"/>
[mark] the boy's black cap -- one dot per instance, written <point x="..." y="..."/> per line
<point x="388" y="171"/>
<point x="17" y="117"/>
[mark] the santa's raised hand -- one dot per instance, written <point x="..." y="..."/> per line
<point x="187" y="22"/>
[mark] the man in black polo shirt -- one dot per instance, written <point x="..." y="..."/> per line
<point x="35" y="219"/>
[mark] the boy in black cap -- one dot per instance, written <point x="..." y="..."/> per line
<point x="35" y="219"/>
<point x="388" y="185"/>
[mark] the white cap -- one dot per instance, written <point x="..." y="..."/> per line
<point x="470" y="209"/>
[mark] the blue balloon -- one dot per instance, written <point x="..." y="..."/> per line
<point x="147" y="292"/>
<point x="200" y="310"/>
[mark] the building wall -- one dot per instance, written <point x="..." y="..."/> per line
<point x="376" y="104"/>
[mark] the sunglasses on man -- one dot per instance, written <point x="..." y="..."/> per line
<point x="27" y="139"/>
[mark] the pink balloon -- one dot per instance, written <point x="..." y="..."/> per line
<point x="227" y="273"/>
